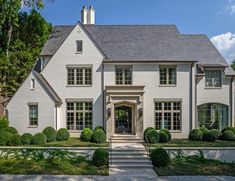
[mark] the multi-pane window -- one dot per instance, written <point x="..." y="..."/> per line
<point x="79" y="46"/>
<point x="79" y="75"/>
<point x="213" y="78"/>
<point x="124" y="75"/>
<point x="79" y="115"/>
<point x="168" y="115"/>
<point x="168" y="75"/>
<point x="33" y="115"/>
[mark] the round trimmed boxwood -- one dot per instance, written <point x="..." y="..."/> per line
<point x="50" y="134"/>
<point x="26" y="139"/>
<point x="203" y="129"/>
<point x="168" y="133"/>
<point x="16" y="140"/>
<point x="163" y="137"/>
<point x="63" y="134"/>
<point x="86" y="134"/>
<point x="4" y="123"/>
<point x="195" y="135"/>
<point x="11" y="130"/>
<point x="228" y="128"/>
<point x="209" y="136"/>
<point x="39" y="139"/>
<point x="216" y="133"/>
<point x="159" y="157"/>
<point x="146" y="130"/>
<point x="5" y="137"/>
<point x="98" y="136"/>
<point x="152" y="136"/>
<point x="99" y="127"/>
<point x="100" y="157"/>
<point x="228" y="135"/>
<point x="2" y="142"/>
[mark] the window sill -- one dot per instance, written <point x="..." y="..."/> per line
<point x="78" y="85"/>
<point x="162" y="85"/>
<point x="78" y="52"/>
<point x="213" y="87"/>
<point x="32" y="127"/>
<point x="75" y="131"/>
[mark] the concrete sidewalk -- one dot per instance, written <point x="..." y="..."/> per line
<point x="111" y="178"/>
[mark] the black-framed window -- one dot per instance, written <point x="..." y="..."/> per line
<point x="123" y="75"/>
<point x="79" y="115"/>
<point x="79" y="76"/>
<point x="167" y="75"/>
<point x="213" y="78"/>
<point x="168" y="115"/>
<point x="79" y="46"/>
<point x="33" y="115"/>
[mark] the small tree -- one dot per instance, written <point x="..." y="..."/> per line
<point x="233" y="65"/>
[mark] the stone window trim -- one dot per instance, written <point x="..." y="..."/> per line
<point x="72" y="76"/>
<point x="213" y="86"/>
<point x="171" y="111"/>
<point x="124" y="78"/>
<point x="167" y="84"/>
<point x="75" y="112"/>
<point x="30" y="105"/>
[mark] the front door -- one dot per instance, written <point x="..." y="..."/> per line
<point x="123" y="120"/>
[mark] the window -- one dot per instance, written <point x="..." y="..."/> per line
<point x="213" y="116"/>
<point x="213" y="78"/>
<point x="79" y="115"/>
<point x="124" y="75"/>
<point x="32" y="84"/>
<point x="33" y="115"/>
<point x="168" y="115"/>
<point x="79" y="76"/>
<point x="79" y="46"/>
<point x="167" y="75"/>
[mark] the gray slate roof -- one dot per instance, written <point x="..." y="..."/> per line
<point x="143" y="43"/>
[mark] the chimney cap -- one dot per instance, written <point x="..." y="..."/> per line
<point x="91" y="7"/>
<point x="84" y="7"/>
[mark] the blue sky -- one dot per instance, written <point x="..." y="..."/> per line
<point x="216" y="18"/>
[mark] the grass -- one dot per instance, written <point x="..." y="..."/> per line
<point x="74" y="142"/>
<point x="189" y="143"/>
<point x="207" y="167"/>
<point x="50" y="166"/>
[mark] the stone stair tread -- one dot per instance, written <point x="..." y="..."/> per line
<point x="131" y="161"/>
<point x="130" y="165"/>
<point x="129" y="157"/>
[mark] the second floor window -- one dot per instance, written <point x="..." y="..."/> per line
<point x="33" y="115"/>
<point x="79" y="46"/>
<point x="79" y="76"/>
<point x="167" y="75"/>
<point x="124" y="75"/>
<point x="213" y="78"/>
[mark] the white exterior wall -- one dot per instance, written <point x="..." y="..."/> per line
<point x="56" y="74"/>
<point x="18" y="110"/>
<point x="148" y="75"/>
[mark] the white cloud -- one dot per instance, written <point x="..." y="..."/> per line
<point x="231" y="6"/>
<point x="226" y="45"/>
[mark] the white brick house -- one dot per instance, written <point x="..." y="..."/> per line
<point x="125" y="78"/>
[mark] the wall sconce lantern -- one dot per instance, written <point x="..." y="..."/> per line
<point x="139" y="100"/>
<point x="108" y="112"/>
<point x="140" y="112"/>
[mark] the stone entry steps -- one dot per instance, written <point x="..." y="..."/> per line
<point x="128" y="152"/>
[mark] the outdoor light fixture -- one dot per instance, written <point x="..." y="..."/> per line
<point x="140" y="112"/>
<point x="139" y="100"/>
<point x="108" y="112"/>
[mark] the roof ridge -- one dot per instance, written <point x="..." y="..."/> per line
<point x="130" y="25"/>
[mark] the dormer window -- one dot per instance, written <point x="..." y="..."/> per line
<point x="79" y="46"/>
<point x="213" y="78"/>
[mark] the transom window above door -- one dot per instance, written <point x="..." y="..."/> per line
<point x="80" y="76"/>
<point x="123" y="75"/>
<point x="167" y="75"/>
<point x="213" y="78"/>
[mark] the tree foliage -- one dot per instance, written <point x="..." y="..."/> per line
<point x="22" y="36"/>
<point x="233" y="65"/>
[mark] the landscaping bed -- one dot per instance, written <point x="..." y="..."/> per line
<point x="196" y="167"/>
<point x="190" y="143"/>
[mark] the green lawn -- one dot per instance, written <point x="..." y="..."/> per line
<point x="189" y="143"/>
<point x="208" y="167"/>
<point x="74" y="142"/>
<point x="53" y="166"/>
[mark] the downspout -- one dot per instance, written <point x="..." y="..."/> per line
<point x="102" y="91"/>
<point x="56" y="117"/>
<point x="191" y="97"/>
<point x="231" y="102"/>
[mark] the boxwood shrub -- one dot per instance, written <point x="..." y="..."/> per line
<point x="4" y="123"/>
<point x="5" y="137"/>
<point x="159" y="157"/>
<point x="50" y="134"/>
<point x="195" y="135"/>
<point x="228" y="128"/>
<point x="152" y="136"/>
<point x="16" y="140"/>
<point x="163" y="137"/>
<point x="203" y="129"/>
<point x="11" y="130"/>
<point x="99" y="127"/>
<point x="146" y="130"/>
<point x="26" y="139"/>
<point x="39" y="139"/>
<point x="100" y="157"/>
<point x="168" y="133"/>
<point x="228" y="135"/>
<point x="99" y="136"/>
<point x="63" y="134"/>
<point x="86" y="134"/>
<point x="2" y="142"/>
